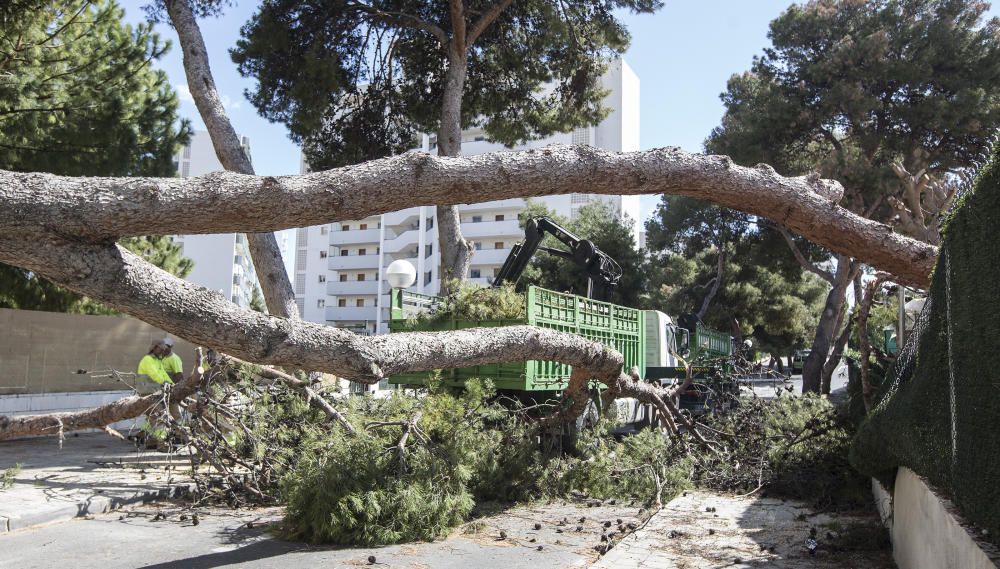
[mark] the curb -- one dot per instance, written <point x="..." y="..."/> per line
<point x="97" y="504"/>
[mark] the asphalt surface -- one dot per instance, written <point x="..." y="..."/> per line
<point x="137" y="537"/>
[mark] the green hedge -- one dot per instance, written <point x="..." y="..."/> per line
<point x="939" y="413"/>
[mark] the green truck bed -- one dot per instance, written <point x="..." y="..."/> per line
<point x="616" y="326"/>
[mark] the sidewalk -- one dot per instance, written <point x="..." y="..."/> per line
<point x="705" y="530"/>
<point x="92" y="473"/>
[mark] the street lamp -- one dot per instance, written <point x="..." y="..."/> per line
<point x="401" y="274"/>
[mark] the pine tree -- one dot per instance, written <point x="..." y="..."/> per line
<point x="78" y="97"/>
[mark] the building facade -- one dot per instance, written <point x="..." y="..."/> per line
<point x="340" y="268"/>
<point x="222" y="260"/>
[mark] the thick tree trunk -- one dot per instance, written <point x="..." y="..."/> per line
<point x="104" y="209"/>
<point x="812" y="368"/>
<point x="717" y="282"/>
<point x="456" y="252"/>
<point x="835" y="357"/>
<point x="274" y="282"/>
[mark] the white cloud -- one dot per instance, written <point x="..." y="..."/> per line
<point x="184" y="94"/>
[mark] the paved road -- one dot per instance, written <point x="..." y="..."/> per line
<point x="768" y="388"/>
<point x="134" y="538"/>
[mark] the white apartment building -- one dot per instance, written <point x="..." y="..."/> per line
<point x="221" y="261"/>
<point x="340" y="268"/>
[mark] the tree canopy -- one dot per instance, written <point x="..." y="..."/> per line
<point x="78" y="97"/>
<point x="756" y="285"/>
<point x="857" y="89"/>
<point x="359" y="80"/>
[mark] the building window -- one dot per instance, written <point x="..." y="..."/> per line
<point x="477" y="245"/>
<point x="322" y="278"/>
<point x="499" y="217"/>
<point x="363" y="226"/>
<point x="322" y="254"/>
<point x="343" y="277"/>
<point x="427" y="277"/>
<point x="323" y="230"/>
<point x="428" y="250"/>
<point x="378" y="250"/>
<point x="474" y="273"/>
<point x="362" y="252"/>
<point x="342" y="302"/>
<point x="360" y="303"/>
<point x="345" y="227"/>
<point x="361" y="276"/>
<point x="236" y="280"/>
<point x="477" y="219"/>
<point x="498" y="245"/>
<point x="343" y="252"/>
<point x="430" y="223"/>
<point x="320" y="303"/>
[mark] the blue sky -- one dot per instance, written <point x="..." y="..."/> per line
<point x="683" y="55"/>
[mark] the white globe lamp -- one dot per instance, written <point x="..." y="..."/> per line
<point x="401" y="274"/>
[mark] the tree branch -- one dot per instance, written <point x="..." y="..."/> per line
<point x="103" y="209"/>
<point x="485" y="21"/>
<point x="268" y="264"/>
<point x="825" y="275"/>
<point x="403" y="20"/>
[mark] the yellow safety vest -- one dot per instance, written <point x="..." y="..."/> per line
<point x="152" y="367"/>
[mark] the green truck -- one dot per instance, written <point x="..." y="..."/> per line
<point x="649" y="340"/>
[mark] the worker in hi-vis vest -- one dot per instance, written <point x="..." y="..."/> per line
<point x="171" y="362"/>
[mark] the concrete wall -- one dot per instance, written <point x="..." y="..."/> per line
<point x="926" y="532"/>
<point x="45" y="352"/>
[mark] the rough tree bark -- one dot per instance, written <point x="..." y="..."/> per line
<point x="103" y="209"/>
<point x="716" y="283"/>
<point x="65" y="228"/>
<point x="456" y="252"/>
<point x="279" y="297"/>
<point x="812" y="368"/>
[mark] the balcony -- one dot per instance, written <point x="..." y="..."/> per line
<point x="351" y="313"/>
<point x="405" y="239"/>
<point x="338" y="262"/>
<point x="506" y="228"/>
<point x="490" y="256"/>
<point x="338" y="288"/>
<point x="409" y="215"/>
<point x="354" y="237"/>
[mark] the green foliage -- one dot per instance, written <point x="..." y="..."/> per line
<point x="643" y="466"/>
<point x="937" y="415"/>
<point x="79" y="98"/>
<point x="848" y="88"/>
<point x="8" y="476"/>
<point x="763" y="287"/>
<point x="357" y="84"/>
<point x="361" y="490"/>
<point x="472" y="302"/>
<point x="257" y="300"/>
<point x="598" y="222"/>
<point x="795" y="447"/>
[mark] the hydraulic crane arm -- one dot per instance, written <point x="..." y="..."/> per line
<point x="603" y="272"/>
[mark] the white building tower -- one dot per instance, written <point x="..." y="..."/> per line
<point x="340" y="268"/>
<point x="221" y="261"/>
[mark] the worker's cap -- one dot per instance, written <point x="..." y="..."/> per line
<point x="167" y="342"/>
